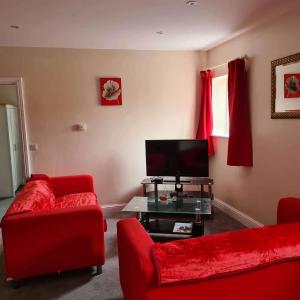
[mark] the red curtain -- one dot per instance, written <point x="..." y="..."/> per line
<point x="206" y="118"/>
<point x="240" y="140"/>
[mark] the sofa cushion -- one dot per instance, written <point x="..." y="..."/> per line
<point x="76" y="200"/>
<point x="38" y="177"/>
<point x="35" y="196"/>
<point x="226" y="253"/>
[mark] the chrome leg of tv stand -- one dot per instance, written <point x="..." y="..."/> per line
<point x="143" y="219"/>
<point x="199" y="223"/>
<point x="139" y="216"/>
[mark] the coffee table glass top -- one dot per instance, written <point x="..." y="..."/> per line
<point x="201" y="206"/>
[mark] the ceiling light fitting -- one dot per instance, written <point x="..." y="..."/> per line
<point x="14" y="26"/>
<point x="159" y="32"/>
<point x="191" y="3"/>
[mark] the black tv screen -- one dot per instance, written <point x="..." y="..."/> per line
<point x="187" y="158"/>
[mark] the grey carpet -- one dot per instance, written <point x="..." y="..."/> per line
<point x="82" y="284"/>
<point x="4" y="204"/>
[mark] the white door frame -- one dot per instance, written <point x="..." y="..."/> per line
<point x="22" y="120"/>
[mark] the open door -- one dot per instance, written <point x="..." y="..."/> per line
<point x="14" y="159"/>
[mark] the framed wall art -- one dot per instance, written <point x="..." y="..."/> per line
<point x="285" y="87"/>
<point x="110" y="91"/>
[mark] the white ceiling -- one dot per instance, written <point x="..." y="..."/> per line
<point x="131" y="24"/>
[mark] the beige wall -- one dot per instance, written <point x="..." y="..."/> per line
<point x="276" y="143"/>
<point x="61" y="89"/>
<point x="8" y="94"/>
<point x="159" y="101"/>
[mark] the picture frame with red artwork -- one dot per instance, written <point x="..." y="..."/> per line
<point x="110" y="91"/>
<point x="291" y="86"/>
<point x="285" y="87"/>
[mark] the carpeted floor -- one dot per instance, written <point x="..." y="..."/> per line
<point x="82" y="284"/>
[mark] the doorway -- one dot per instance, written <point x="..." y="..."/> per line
<point x="14" y="159"/>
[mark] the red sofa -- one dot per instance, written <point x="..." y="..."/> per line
<point x="140" y="280"/>
<point x="54" y="224"/>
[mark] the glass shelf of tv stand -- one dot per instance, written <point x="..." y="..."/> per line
<point x="190" y="206"/>
<point x="183" y="181"/>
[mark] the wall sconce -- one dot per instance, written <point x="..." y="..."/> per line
<point x="79" y="127"/>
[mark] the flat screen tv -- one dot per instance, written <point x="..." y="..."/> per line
<point x="187" y="158"/>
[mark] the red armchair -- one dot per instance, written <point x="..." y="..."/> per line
<point x="54" y="224"/>
<point x="139" y="276"/>
<point x="288" y="210"/>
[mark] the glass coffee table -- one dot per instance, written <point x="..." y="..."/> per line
<point x="181" y="216"/>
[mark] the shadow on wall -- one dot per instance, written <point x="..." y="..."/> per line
<point x="113" y="189"/>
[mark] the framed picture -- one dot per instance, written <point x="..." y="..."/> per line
<point x="291" y="86"/>
<point x="110" y="91"/>
<point x="285" y="87"/>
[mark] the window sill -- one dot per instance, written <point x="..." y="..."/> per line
<point x="220" y="135"/>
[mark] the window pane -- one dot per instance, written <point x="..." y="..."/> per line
<point x="220" y="106"/>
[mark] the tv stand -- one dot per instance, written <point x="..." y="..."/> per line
<point x="202" y="182"/>
<point x="157" y="180"/>
<point x="159" y="217"/>
<point x="178" y="185"/>
<point x="174" y="181"/>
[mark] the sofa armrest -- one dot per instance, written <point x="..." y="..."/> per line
<point x="288" y="210"/>
<point x="136" y="264"/>
<point x="49" y="241"/>
<point x="64" y="185"/>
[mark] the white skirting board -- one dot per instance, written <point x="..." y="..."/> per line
<point x="236" y="214"/>
<point x="111" y="209"/>
<point x="113" y="205"/>
<point x="226" y="208"/>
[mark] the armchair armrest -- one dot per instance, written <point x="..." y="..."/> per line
<point x="136" y="265"/>
<point x="288" y="210"/>
<point x="54" y="240"/>
<point x="64" y="185"/>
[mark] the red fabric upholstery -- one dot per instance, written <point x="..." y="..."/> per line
<point x="139" y="278"/>
<point x="76" y="200"/>
<point x="288" y="210"/>
<point x="57" y="239"/>
<point x="136" y="264"/>
<point x="205" y="125"/>
<point x="276" y="282"/>
<point x="72" y="184"/>
<point x="35" y="196"/>
<point x="38" y="177"/>
<point x="240" y="139"/>
<point x="220" y="254"/>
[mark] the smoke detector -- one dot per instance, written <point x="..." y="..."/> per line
<point x="191" y="3"/>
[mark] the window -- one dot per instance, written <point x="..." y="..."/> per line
<point x="220" y="106"/>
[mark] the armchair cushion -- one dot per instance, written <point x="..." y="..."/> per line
<point x="226" y="253"/>
<point x="76" y="200"/>
<point x="35" y="196"/>
<point x="65" y="185"/>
